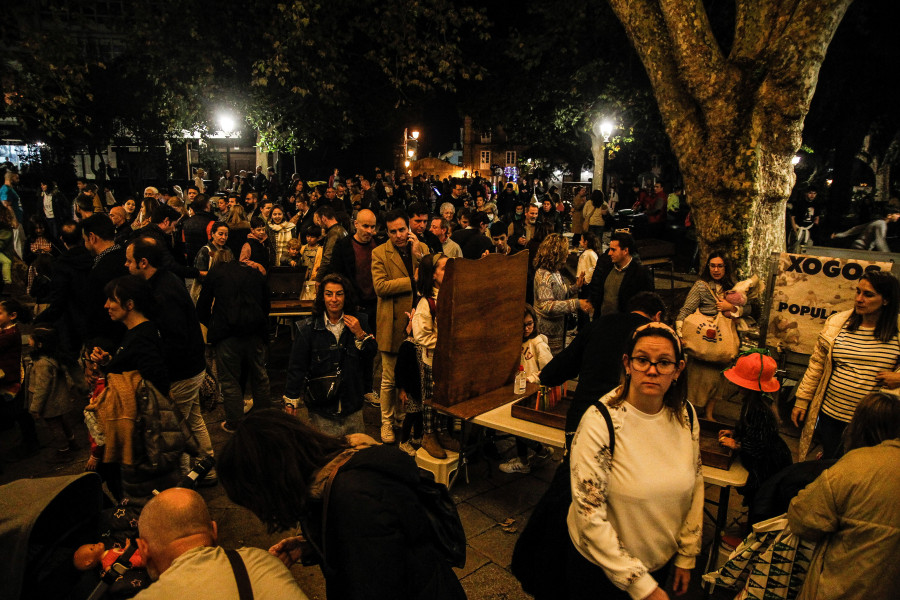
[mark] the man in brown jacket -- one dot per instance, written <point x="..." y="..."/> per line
<point x="393" y="270"/>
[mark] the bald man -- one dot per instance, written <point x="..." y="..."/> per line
<point x="352" y="258"/>
<point x="178" y="543"/>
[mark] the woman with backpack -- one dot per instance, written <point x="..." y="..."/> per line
<point x="358" y="504"/>
<point x="637" y="498"/>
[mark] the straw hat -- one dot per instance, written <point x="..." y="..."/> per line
<point x="754" y="371"/>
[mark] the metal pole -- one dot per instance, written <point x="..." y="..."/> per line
<point x="405" y="138"/>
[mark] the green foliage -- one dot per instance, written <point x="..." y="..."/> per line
<point x="556" y="68"/>
<point x="329" y="69"/>
<point x="300" y="71"/>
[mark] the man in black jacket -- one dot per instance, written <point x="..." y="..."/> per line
<point x="69" y="291"/>
<point x="238" y="330"/>
<point x="99" y="233"/>
<point x="418" y="226"/>
<point x="472" y="239"/>
<point x="182" y="339"/>
<point x="619" y="275"/>
<point x="195" y="236"/>
<point x="595" y="355"/>
<point x="163" y="220"/>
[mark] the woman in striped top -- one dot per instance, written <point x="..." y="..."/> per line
<point x="858" y="352"/>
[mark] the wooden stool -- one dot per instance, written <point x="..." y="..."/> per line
<point x="441" y="468"/>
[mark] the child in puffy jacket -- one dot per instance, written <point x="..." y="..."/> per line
<point x="48" y="384"/>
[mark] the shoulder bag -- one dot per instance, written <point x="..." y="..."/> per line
<point x="711" y="339"/>
<point x="770" y="564"/>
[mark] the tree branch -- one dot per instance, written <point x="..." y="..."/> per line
<point x="694" y="47"/>
<point x="645" y="26"/>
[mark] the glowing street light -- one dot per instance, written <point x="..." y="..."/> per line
<point x="227" y="123"/>
<point x="602" y="128"/>
<point x="795" y="160"/>
<point x="407" y="137"/>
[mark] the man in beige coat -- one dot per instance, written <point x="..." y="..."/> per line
<point x="393" y="270"/>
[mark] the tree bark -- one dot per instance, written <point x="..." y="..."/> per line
<point x="598" y="150"/>
<point x="734" y="121"/>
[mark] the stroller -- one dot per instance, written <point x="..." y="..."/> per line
<point x="42" y="522"/>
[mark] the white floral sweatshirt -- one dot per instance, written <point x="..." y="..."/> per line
<point x="633" y="511"/>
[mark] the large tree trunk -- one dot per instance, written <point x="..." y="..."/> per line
<point x="734" y="121"/>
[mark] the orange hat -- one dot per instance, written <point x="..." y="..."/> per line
<point x="754" y="371"/>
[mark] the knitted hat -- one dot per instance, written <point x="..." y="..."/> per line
<point x="754" y="371"/>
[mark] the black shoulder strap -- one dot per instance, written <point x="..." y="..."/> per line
<point x="609" y="424"/>
<point x="691" y="410"/>
<point x="245" y="590"/>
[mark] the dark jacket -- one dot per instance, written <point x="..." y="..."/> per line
<point x="62" y="208"/>
<point x="10" y="356"/>
<point x="472" y="242"/>
<point x="242" y="302"/>
<point x="169" y="263"/>
<point x="637" y="279"/>
<point x="68" y="297"/>
<point x="179" y="327"/>
<point x="195" y="234"/>
<point x="595" y="358"/>
<point x="376" y="525"/>
<point x="107" y="268"/>
<point x="343" y="262"/>
<point x="315" y="353"/>
<point x="142" y="350"/>
<point x="304" y="223"/>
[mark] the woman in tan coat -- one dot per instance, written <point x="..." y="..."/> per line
<point x="852" y="511"/>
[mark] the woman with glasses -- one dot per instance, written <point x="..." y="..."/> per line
<point x="637" y="500"/>
<point x="708" y="386"/>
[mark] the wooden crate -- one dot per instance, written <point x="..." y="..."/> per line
<point x="554" y="417"/>
<point x="712" y="453"/>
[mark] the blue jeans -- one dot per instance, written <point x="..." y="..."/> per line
<point x="232" y="354"/>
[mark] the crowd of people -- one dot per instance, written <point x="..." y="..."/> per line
<point x="168" y="293"/>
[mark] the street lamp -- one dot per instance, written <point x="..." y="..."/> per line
<point x="407" y="137"/>
<point x="795" y="160"/>
<point x="602" y="130"/>
<point x="226" y="123"/>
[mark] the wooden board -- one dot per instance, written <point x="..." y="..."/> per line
<point x="553" y="417"/>
<point x="712" y="453"/>
<point x="479" y="315"/>
<point x="473" y="407"/>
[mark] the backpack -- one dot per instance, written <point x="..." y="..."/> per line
<point x="160" y="433"/>
<point x="539" y="556"/>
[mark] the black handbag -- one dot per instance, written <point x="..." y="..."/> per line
<point x="323" y="390"/>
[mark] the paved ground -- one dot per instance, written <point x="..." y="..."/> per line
<point x="488" y="499"/>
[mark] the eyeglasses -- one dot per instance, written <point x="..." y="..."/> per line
<point x="529" y="323"/>
<point x="663" y="367"/>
